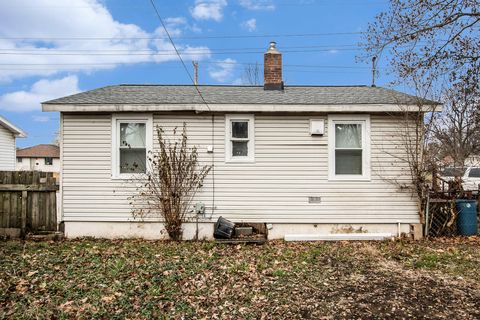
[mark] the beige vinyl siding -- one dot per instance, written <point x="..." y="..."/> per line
<point x="7" y="149"/>
<point x="290" y="165"/>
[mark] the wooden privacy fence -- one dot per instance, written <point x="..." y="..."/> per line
<point x="28" y="202"/>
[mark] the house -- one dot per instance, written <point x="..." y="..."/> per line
<point x="8" y="135"/>
<point x="304" y="160"/>
<point x="473" y="161"/>
<point x="42" y="157"/>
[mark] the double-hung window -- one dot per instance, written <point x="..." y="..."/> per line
<point x="349" y="147"/>
<point x="239" y="138"/>
<point x="131" y="141"/>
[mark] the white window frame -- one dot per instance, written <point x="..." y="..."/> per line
<point x="250" y="118"/>
<point x="363" y="120"/>
<point x="126" y="118"/>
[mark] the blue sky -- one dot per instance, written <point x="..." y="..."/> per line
<point x="53" y="48"/>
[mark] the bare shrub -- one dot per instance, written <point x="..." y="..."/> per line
<point x="170" y="184"/>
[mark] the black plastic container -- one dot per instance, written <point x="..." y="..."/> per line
<point x="223" y="229"/>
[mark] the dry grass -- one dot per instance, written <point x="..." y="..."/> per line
<point x="142" y="280"/>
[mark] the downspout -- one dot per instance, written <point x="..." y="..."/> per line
<point x="427" y="213"/>
<point x="213" y="164"/>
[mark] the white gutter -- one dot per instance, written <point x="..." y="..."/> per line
<point x="199" y="108"/>
<point x="19" y="133"/>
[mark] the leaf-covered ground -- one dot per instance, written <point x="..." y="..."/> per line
<point x="135" y="279"/>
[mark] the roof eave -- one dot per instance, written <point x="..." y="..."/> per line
<point x="19" y="133"/>
<point x="289" y="108"/>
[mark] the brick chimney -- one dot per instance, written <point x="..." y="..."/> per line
<point x="272" y="69"/>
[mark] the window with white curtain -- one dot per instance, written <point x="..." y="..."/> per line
<point x="133" y="149"/>
<point x="132" y="137"/>
<point x="239" y="138"/>
<point x="349" y="147"/>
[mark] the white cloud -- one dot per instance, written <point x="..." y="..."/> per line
<point x="257" y="4"/>
<point x="42" y="90"/>
<point x="238" y="82"/>
<point x="208" y="9"/>
<point x="223" y="71"/>
<point x="59" y="25"/>
<point x="37" y="118"/>
<point x="250" y="24"/>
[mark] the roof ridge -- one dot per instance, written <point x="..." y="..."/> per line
<point x="235" y="85"/>
<point x="40" y="144"/>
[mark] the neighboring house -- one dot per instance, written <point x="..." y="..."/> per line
<point x="8" y="135"/>
<point x="472" y="161"/>
<point x="42" y="157"/>
<point x="304" y="160"/>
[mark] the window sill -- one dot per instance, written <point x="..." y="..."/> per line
<point x="240" y="161"/>
<point x="129" y="176"/>
<point x="350" y="179"/>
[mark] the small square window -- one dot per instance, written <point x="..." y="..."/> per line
<point x="239" y="138"/>
<point x="48" y="161"/>
<point x="19" y="160"/>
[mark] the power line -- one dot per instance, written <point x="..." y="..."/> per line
<point x="177" y="52"/>
<point x="232" y="36"/>
<point x="150" y="50"/>
<point x="203" y="62"/>
<point x="166" y="53"/>
<point x="136" y="6"/>
<point x="201" y="96"/>
<point x="285" y="71"/>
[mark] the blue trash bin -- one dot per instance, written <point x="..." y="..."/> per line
<point x="467" y="217"/>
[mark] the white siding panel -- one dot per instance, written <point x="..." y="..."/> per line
<point x="7" y="149"/>
<point x="290" y="166"/>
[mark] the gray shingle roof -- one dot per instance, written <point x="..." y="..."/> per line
<point x="214" y="94"/>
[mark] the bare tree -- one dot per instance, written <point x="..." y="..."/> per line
<point x="251" y="74"/>
<point x="170" y="184"/>
<point x="57" y="138"/>
<point x="430" y="39"/>
<point x="416" y="136"/>
<point x="457" y="130"/>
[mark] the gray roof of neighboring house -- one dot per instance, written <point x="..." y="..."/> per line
<point x="221" y="94"/>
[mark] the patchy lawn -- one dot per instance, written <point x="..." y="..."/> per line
<point x="141" y="280"/>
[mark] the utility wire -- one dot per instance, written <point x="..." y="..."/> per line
<point x="7" y="66"/>
<point x="285" y="71"/>
<point x="203" y="62"/>
<point x="201" y="96"/>
<point x="232" y="36"/>
<point x="150" y="50"/>
<point x="178" y="53"/>
<point x="164" y="53"/>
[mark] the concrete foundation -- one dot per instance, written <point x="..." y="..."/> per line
<point x="156" y="230"/>
<point x="125" y="230"/>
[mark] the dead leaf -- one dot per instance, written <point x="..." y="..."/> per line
<point x="31" y="273"/>
<point x="108" y="299"/>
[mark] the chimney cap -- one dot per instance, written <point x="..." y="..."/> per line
<point x="272" y="48"/>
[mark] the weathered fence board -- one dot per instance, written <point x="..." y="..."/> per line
<point x="28" y="201"/>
